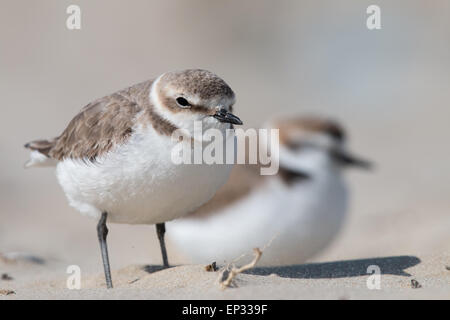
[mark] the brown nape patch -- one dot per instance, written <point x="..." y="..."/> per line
<point x="309" y="124"/>
<point x="103" y="124"/>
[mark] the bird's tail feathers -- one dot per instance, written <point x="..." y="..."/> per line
<point x="39" y="156"/>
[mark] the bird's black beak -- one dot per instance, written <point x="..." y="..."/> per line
<point x="225" y="116"/>
<point x="347" y="159"/>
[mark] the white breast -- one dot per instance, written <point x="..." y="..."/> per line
<point x="302" y="219"/>
<point x="137" y="183"/>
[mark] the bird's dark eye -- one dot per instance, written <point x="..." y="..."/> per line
<point x="182" y="102"/>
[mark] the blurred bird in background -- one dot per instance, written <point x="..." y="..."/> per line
<point x="298" y="212"/>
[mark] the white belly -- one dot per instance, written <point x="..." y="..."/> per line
<point x="137" y="183"/>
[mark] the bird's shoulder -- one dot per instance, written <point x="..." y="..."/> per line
<point x="102" y="124"/>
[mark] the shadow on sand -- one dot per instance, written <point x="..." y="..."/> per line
<point x="151" y="268"/>
<point x="340" y="269"/>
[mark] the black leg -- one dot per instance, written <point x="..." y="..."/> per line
<point x="160" y="230"/>
<point x="102" y="232"/>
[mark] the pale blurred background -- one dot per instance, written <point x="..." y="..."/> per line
<point x="390" y="88"/>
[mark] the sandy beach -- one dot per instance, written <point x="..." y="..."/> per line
<point x="388" y="87"/>
<point x="331" y="280"/>
<point x="45" y="277"/>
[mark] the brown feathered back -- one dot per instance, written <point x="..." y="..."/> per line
<point x="99" y="126"/>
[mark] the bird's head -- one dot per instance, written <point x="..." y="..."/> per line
<point x="310" y="145"/>
<point x="183" y="97"/>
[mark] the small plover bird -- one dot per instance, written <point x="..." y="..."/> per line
<point x="114" y="162"/>
<point x="298" y="212"/>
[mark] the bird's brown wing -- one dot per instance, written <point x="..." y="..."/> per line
<point x="98" y="127"/>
